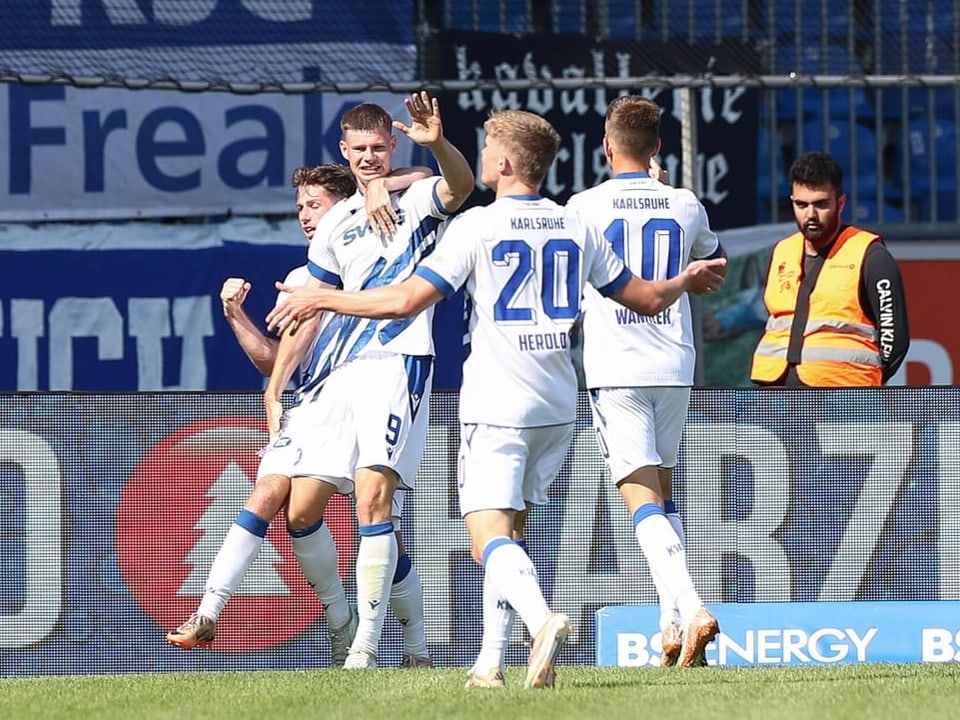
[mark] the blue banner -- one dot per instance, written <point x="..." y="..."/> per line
<point x="109" y="153"/>
<point x="726" y="118"/>
<point x="212" y="42"/>
<point x="136" y="306"/>
<point x="77" y="24"/>
<point x="822" y="633"/>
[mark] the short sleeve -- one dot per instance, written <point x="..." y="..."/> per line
<point x="455" y="256"/>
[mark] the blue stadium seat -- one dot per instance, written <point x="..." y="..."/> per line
<point x="670" y="20"/>
<point x="516" y="16"/>
<point x="568" y="16"/>
<point x="837" y="25"/>
<point x="842" y="141"/>
<point x="890" y="104"/>
<point x="815" y="60"/>
<point x="893" y="107"/>
<point x="819" y="102"/>
<point x="622" y="17"/>
<point x="725" y="17"/>
<point x="828" y="60"/>
<point x="888" y="15"/>
<point x="710" y="19"/>
<point x="934" y="16"/>
<point x="460" y="16"/>
<point x="925" y="142"/>
<point x="488" y="16"/>
<point x="946" y="206"/>
<point x="917" y="54"/>
<point x="866" y="212"/>
<point x="767" y="186"/>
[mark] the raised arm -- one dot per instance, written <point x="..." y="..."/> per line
<point x="426" y="129"/>
<point x="261" y="349"/>
<point x="403" y="178"/>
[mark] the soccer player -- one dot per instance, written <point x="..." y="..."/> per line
<point x="524" y="261"/>
<point x="317" y="190"/>
<point x="639" y="370"/>
<point x="365" y="403"/>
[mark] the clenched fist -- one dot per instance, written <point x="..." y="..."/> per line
<point x="232" y="295"/>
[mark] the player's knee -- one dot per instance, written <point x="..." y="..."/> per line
<point x="374" y="496"/>
<point x="373" y="509"/>
<point x="302" y="518"/>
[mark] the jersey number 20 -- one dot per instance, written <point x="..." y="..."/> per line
<point x="560" y="286"/>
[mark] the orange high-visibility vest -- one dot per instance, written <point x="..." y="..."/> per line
<point x="840" y="343"/>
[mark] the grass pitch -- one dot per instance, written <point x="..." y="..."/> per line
<point x="879" y="692"/>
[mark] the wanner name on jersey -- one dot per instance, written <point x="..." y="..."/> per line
<point x="629" y="317"/>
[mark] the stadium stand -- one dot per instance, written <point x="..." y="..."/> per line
<point x="932" y="166"/>
<point x="771" y="173"/>
<point x="879" y="63"/>
<point x="794" y="104"/>
<point x="853" y="145"/>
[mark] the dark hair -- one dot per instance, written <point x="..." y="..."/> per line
<point x="335" y="179"/>
<point x="816" y="169"/>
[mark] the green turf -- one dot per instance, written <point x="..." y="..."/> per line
<point x="897" y="692"/>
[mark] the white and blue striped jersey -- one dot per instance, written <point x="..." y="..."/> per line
<point x="656" y="229"/>
<point x="346" y="252"/>
<point x="524" y="261"/>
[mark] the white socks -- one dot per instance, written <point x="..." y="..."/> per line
<point x="376" y="565"/>
<point x="668" y="605"/>
<point x="498" y="620"/>
<point x="514" y="577"/>
<point x="236" y="554"/>
<point x="317" y="554"/>
<point x="666" y="557"/>
<point x="406" y="601"/>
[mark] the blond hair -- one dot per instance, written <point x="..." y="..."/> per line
<point x="530" y="140"/>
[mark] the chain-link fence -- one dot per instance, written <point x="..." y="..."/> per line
<point x="875" y="82"/>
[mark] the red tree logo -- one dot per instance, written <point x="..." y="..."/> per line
<point x="174" y="513"/>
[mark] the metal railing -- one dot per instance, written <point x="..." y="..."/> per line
<point x="874" y="82"/>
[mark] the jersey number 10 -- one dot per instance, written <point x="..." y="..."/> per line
<point x="656" y="234"/>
